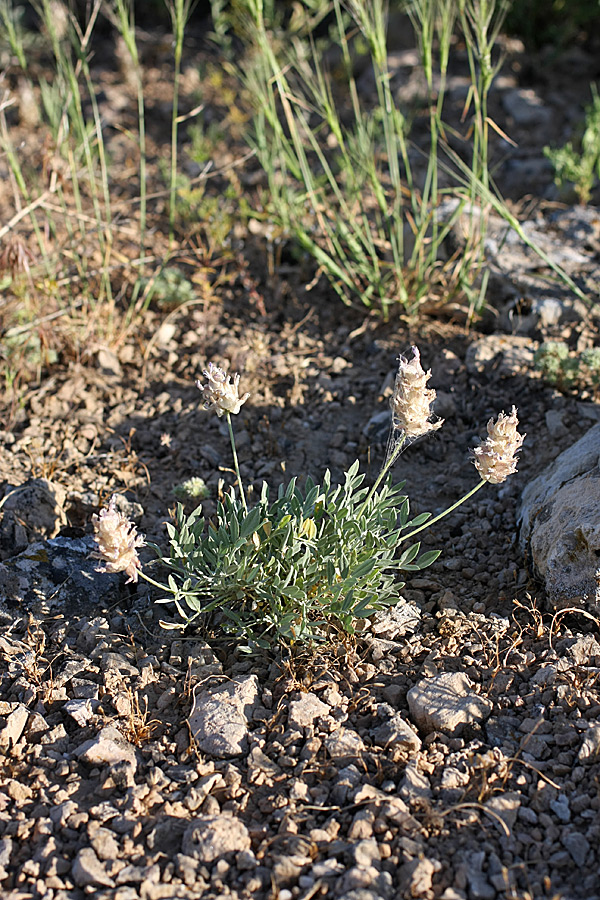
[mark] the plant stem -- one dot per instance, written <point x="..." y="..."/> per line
<point x="151" y="580"/>
<point x="445" y="513"/>
<point x="236" y="465"/>
<point x="391" y="459"/>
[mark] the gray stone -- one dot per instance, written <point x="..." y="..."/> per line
<point x="560" y="524"/>
<point x="207" y="838"/>
<point x="414" y="785"/>
<point x="397" y="733"/>
<point x="15" y="718"/>
<point x="508" y="354"/>
<point x="404" y="618"/>
<point x="416" y="877"/>
<point x="560" y="808"/>
<point x="366" y="853"/>
<point x="506" y="807"/>
<point x="479" y="886"/>
<point x="31" y="512"/>
<point x="303" y="712"/>
<point x="526" y="108"/>
<point x="109" y="747"/>
<point x="57" y="573"/>
<point x="344" y="743"/>
<point x="79" y="710"/>
<point x="104" y="844"/>
<point x="591" y="744"/>
<point x="6" y="846"/>
<point x="577" y="845"/>
<point x="88" y="870"/>
<point x="447" y="703"/>
<point x="219" y="717"/>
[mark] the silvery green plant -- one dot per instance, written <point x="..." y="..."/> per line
<point x="565" y="370"/>
<point x="313" y="560"/>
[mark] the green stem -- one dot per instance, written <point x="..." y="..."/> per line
<point x="386" y="467"/>
<point x="445" y="513"/>
<point x="236" y="465"/>
<point x="151" y="580"/>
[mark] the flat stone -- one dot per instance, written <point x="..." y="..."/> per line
<point x="88" y="870"/>
<point x="14" y="725"/>
<point x="591" y="744"/>
<point x="219" y="717"/>
<point x="207" y="838"/>
<point x="344" y="743"/>
<point x="79" y="710"/>
<point x="109" y="747"/>
<point x="303" y="712"/>
<point x="416" y="877"/>
<point x="577" y="845"/>
<point x="395" y="732"/>
<point x="447" y="703"/>
<point x="560" y="524"/>
<point x="58" y="573"/>
<point x="506" y="807"/>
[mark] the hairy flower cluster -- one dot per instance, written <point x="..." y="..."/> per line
<point x="117" y="541"/>
<point x="495" y="458"/>
<point x="411" y="401"/>
<point x="220" y="392"/>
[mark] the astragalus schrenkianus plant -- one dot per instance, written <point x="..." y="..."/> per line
<point x="313" y="560"/>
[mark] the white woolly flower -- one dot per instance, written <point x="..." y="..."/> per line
<point x="117" y="541"/>
<point x="495" y="458"/>
<point x="220" y="392"/>
<point x="411" y="401"/>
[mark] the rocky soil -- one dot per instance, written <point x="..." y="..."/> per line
<point x="452" y="751"/>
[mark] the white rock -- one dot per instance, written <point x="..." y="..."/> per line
<point x="79" y="710"/>
<point x="591" y="744"/>
<point x="302" y="713"/>
<point x="107" y="748"/>
<point x="397" y="733"/>
<point x="219" y="717"/>
<point x="415" y="877"/>
<point x="560" y="522"/>
<point x="447" y="703"/>
<point x="344" y="742"/>
<point x="88" y="870"/>
<point x="207" y="838"/>
<point x="506" y="807"/>
<point x="14" y="724"/>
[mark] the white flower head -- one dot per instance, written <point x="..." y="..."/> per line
<point x="495" y="458"/>
<point x="117" y="541"/>
<point x="220" y="392"/>
<point x="412" y="399"/>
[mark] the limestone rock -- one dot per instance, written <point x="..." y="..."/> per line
<point x="447" y="703"/>
<point x="109" y="747"/>
<point x="32" y="511"/>
<point x="88" y="870"/>
<point x="303" y="712"/>
<point x="219" y="717"/>
<point x="13" y="718"/>
<point x="395" y="732"/>
<point x="207" y="838"/>
<point x="57" y="573"/>
<point x="560" y="524"/>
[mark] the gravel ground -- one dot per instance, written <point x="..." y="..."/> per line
<point x="451" y="751"/>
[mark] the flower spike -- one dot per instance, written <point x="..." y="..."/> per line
<point x="117" y="541"/>
<point x="411" y="401"/>
<point x="495" y="458"/>
<point x="220" y="393"/>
